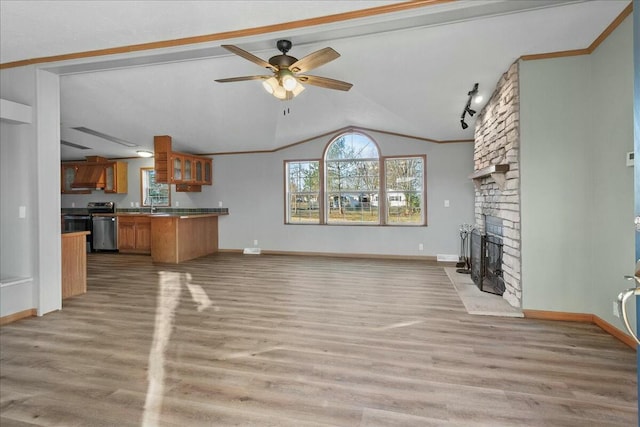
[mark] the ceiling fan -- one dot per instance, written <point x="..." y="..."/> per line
<point x="285" y="83"/>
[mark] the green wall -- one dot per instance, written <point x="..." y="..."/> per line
<point x="577" y="192"/>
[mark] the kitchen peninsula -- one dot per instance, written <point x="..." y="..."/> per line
<point x="168" y="237"/>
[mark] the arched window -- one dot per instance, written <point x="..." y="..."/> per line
<point x="353" y="184"/>
<point x="352" y="179"/>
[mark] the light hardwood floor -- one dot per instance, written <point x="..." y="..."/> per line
<point x="265" y="340"/>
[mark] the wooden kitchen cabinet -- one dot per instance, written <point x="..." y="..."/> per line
<point x="208" y="172"/>
<point x="198" y="177"/>
<point x="162" y="163"/>
<point x="177" y="168"/>
<point x="68" y="174"/>
<point x="116" y="180"/>
<point x="189" y="172"/>
<point x="109" y="176"/>
<point x="134" y="234"/>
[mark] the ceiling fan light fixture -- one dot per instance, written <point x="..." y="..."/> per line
<point x="287" y="80"/>
<point x="270" y="85"/>
<point x="297" y="90"/>
<point x="280" y="93"/>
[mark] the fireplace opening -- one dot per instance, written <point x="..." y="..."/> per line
<point x="486" y="257"/>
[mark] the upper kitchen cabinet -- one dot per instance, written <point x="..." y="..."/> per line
<point x="68" y="174"/>
<point x="208" y="171"/>
<point x="189" y="172"/>
<point x="96" y="173"/>
<point x="116" y="178"/>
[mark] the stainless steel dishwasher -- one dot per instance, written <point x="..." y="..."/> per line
<point x="105" y="233"/>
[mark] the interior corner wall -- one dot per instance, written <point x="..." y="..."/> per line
<point x="613" y="251"/>
<point x="17" y="182"/>
<point x="251" y="186"/>
<point x="577" y="192"/>
<point x="31" y="178"/>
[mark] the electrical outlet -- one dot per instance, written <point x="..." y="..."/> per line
<point x="219" y="204"/>
<point x="255" y="243"/>
<point x="616" y="309"/>
<point x="446" y="203"/>
<point x="420" y="247"/>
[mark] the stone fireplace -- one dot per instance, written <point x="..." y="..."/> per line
<point x="497" y="178"/>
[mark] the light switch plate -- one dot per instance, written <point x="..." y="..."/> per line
<point x="22" y="212"/>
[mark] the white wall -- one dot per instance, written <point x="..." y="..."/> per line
<point x="17" y="181"/>
<point x="252" y="187"/>
<point x="30" y="177"/>
<point x="577" y="193"/>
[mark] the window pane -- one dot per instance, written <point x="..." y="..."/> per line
<point x="353" y="175"/>
<point x="303" y="208"/>
<point x="303" y="190"/>
<point x="352" y="208"/>
<point x="352" y="146"/>
<point x="404" y="178"/>
<point x="404" y="208"/>
<point x="352" y="180"/>
<point x="153" y="192"/>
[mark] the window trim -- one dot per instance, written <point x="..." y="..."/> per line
<point x="323" y="183"/>
<point x="285" y="174"/>
<point x="423" y="193"/>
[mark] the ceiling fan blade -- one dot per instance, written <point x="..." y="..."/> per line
<point x="251" y="57"/>
<point x="314" y="60"/>
<point x="325" y="82"/>
<point x="242" y="79"/>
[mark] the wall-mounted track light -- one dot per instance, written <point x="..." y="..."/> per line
<point x="467" y="109"/>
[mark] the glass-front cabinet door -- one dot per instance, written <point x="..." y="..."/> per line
<point x="187" y="169"/>
<point x="177" y="169"/>
<point x="208" y="171"/>
<point x="110" y="180"/>
<point x="68" y="176"/>
<point x="198" y="165"/>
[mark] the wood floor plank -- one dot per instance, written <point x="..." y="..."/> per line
<point x="275" y="340"/>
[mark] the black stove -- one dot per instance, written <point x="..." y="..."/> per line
<point x="83" y="220"/>
<point x="101" y="207"/>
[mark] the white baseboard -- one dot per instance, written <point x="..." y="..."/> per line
<point x="447" y="258"/>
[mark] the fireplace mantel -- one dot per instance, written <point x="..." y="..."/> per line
<point x="497" y="172"/>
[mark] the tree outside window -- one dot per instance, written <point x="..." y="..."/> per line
<point x="352" y="180"/>
<point x="151" y="192"/>
<point x="404" y="181"/>
<point x="303" y="191"/>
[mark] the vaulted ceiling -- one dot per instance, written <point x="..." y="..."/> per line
<point x="411" y="67"/>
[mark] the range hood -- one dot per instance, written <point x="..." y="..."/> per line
<point x="91" y="174"/>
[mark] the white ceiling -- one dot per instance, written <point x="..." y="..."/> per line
<point x="411" y="70"/>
